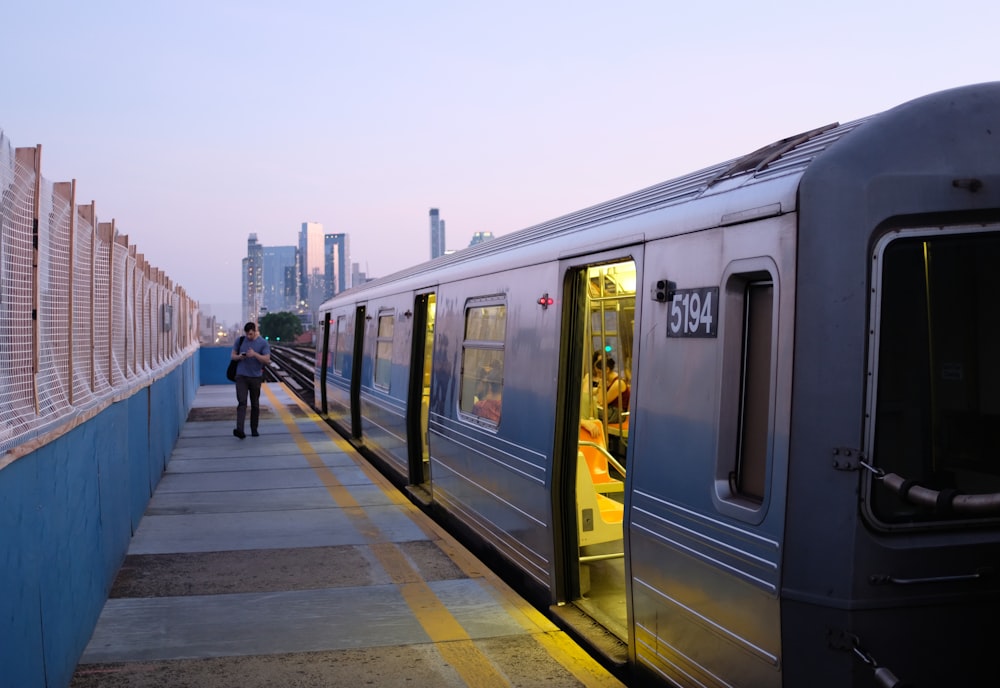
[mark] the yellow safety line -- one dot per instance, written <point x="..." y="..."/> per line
<point x="557" y="644"/>
<point x="447" y="634"/>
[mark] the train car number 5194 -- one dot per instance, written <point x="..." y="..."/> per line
<point x="694" y="313"/>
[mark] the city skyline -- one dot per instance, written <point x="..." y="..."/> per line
<point x="294" y="278"/>
<point x="272" y="275"/>
<point x="193" y="136"/>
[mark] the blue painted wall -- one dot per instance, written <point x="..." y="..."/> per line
<point x="214" y="361"/>
<point x="67" y="513"/>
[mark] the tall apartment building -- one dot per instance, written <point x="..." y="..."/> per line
<point x="437" y="234"/>
<point x="312" y="269"/>
<point x="337" y="261"/>
<point x="280" y="278"/>
<point x="357" y="277"/>
<point x="253" y="285"/>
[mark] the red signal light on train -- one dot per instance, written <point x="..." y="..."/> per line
<point x="545" y="301"/>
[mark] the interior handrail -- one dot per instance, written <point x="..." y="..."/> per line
<point x="611" y="459"/>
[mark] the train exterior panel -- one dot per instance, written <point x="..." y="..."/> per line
<point x="494" y="474"/>
<point x="384" y="376"/>
<point x="706" y="562"/>
<point x="803" y="488"/>
<point x="935" y="170"/>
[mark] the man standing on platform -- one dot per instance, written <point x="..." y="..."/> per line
<point x="253" y="353"/>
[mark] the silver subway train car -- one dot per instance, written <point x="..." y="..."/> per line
<point x="803" y="486"/>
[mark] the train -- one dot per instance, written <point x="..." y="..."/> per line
<point x="804" y="487"/>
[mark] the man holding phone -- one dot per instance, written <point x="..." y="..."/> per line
<point x="253" y="354"/>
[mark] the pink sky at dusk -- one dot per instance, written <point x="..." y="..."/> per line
<point x="193" y="124"/>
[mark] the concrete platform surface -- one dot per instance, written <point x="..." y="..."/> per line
<point x="288" y="560"/>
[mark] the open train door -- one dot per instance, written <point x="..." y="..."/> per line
<point x="419" y="393"/>
<point x="590" y="492"/>
<point x="324" y="365"/>
<point x="357" y="358"/>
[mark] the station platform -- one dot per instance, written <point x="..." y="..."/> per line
<point x="288" y="560"/>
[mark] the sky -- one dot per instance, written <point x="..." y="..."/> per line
<point x="194" y="124"/>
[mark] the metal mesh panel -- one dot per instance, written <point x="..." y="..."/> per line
<point x="53" y="377"/>
<point x="156" y="298"/>
<point x="175" y="328"/>
<point x="130" y="311"/>
<point x="17" y="403"/>
<point x="83" y="344"/>
<point x="147" y="314"/>
<point x="102" y="306"/>
<point x="119" y="254"/>
<point x="165" y="332"/>
<point x="142" y="324"/>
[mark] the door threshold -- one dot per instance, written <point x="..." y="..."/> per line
<point x="420" y="494"/>
<point x="597" y="639"/>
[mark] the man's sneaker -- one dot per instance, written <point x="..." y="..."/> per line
<point x="239" y="433"/>
<point x="254" y="433"/>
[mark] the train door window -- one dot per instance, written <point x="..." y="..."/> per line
<point x="342" y="345"/>
<point x="383" y="348"/>
<point x="611" y="305"/>
<point x="936" y="391"/>
<point x="480" y="398"/>
<point x="755" y="391"/>
<point x="331" y="340"/>
<point x="747" y="394"/>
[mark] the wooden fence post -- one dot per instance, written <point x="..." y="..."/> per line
<point x="32" y="158"/>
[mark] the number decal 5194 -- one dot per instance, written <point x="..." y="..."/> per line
<point x="694" y="313"/>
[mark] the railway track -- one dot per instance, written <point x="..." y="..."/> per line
<point x="293" y="366"/>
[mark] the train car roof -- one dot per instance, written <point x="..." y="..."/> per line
<point x="788" y="156"/>
<point x="786" y="160"/>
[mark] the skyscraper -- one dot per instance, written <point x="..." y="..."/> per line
<point x="311" y="267"/>
<point x="357" y="277"/>
<point x="437" y="234"/>
<point x="336" y="256"/>
<point x="252" y="279"/>
<point x="280" y="293"/>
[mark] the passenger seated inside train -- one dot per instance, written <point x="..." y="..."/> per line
<point x="488" y="394"/>
<point x="589" y="424"/>
<point x="616" y="392"/>
<point x="593" y="446"/>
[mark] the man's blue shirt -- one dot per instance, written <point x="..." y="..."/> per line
<point x="251" y="367"/>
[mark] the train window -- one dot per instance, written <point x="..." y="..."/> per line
<point x="755" y="391"/>
<point x="747" y="391"/>
<point x="383" y="348"/>
<point x="937" y="378"/>
<point x="482" y="360"/>
<point x="342" y="344"/>
<point x="332" y="339"/>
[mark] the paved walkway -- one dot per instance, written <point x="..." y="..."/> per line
<point x="287" y="560"/>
